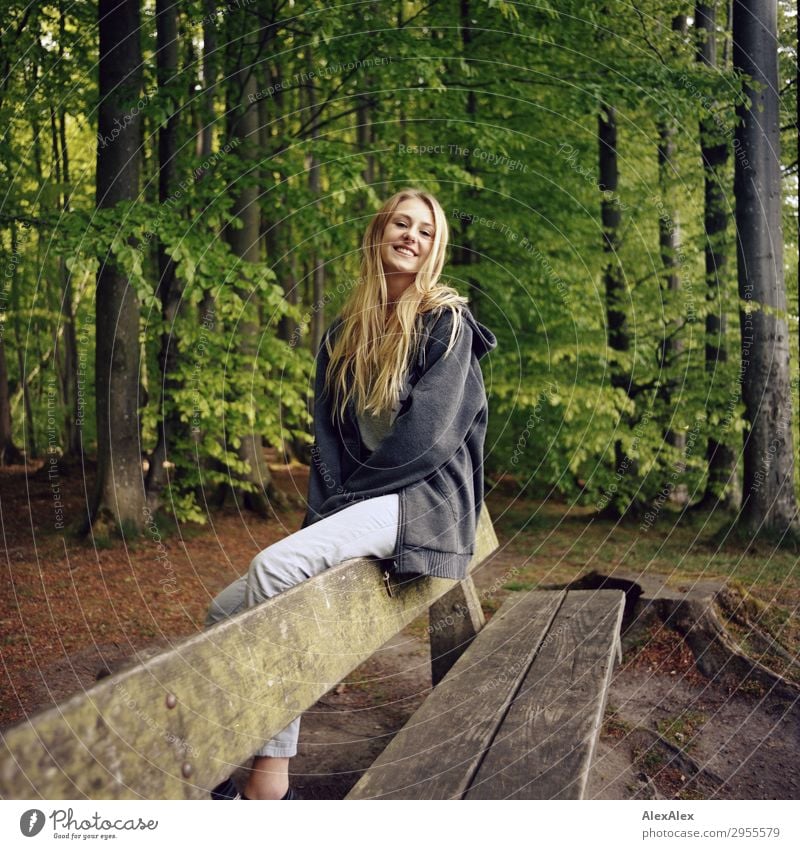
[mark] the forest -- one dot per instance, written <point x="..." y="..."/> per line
<point x="187" y="184"/>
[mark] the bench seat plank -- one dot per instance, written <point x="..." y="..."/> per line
<point x="544" y="748"/>
<point x="175" y="725"/>
<point x="437" y="752"/>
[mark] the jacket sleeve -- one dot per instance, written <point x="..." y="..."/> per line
<point x="325" y="472"/>
<point x="444" y="403"/>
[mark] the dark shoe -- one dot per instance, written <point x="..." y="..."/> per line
<point x="226" y="790"/>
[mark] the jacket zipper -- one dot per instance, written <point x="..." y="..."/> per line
<point x="388" y="585"/>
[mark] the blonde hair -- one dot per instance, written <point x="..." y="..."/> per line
<point x="370" y="355"/>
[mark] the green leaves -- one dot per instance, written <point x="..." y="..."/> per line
<point x="497" y="115"/>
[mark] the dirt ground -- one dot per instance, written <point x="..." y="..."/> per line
<point x="69" y="610"/>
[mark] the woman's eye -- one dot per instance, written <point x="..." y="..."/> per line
<point x="426" y="233"/>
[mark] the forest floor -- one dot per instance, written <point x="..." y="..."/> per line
<point x="70" y="609"/>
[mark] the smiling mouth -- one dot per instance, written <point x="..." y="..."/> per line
<point x="404" y="251"/>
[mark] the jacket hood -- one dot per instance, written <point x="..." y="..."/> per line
<point x="483" y="340"/>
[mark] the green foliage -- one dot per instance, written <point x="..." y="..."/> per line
<point x="498" y="117"/>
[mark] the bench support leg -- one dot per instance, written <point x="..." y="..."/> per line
<point x="454" y="621"/>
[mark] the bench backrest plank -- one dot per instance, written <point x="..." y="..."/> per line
<point x="545" y="746"/>
<point x="172" y="726"/>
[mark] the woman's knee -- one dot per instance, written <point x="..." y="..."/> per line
<point x="227" y="603"/>
<point x="265" y="576"/>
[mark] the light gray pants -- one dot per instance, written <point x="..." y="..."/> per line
<point x="365" y="529"/>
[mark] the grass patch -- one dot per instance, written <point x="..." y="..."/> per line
<point x="519" y="586"/>
<point x="683" y="550"/>
<point x="682" y="729"/>
<point x="650" y="759"/>
<point x="614" y="725"/>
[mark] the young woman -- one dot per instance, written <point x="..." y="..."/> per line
<point x="400" y="417"/>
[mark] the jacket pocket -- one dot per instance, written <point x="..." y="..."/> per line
<point x="457" y="484"/>
<point x="429" y="518"/>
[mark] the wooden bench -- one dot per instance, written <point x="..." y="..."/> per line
<point x="517" y="717"/>
<point x="175" y="724"/>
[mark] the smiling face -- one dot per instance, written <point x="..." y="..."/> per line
<point x="406" y="243"/>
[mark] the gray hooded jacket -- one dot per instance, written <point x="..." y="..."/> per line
<point x="432" y="456"/>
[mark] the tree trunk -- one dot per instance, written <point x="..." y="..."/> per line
<point x="244" y="244"/>
<point x="119" y="496"/>
<point x="68" y="371"/>
<point x="279" y="237"/>
<point x="207" y="311"/>
<point x="272" y="234"/>
<point x="168" y="290"/>
<point x="618" y="338"/>
<point x="467" y="255"/>
<point x="769" y="504"/>
<point x="208" y="117"/>
<point x="29" y="432"/>
<point x="722" y="485"/>
<point x="669" y="244"/>
<point x="365" y="137"/>
<point x="210" y="62"/>
<point x="9" y="453"/>
<point x="317" y="261"/>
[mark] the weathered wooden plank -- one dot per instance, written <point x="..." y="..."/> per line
<point x="437" y="752"/>
<point x="174" y="725"/>
<point x="544" y="747"/>
<point x="454" y="621"/>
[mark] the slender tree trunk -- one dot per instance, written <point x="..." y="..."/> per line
<point x="468" y="256"/>
<point x="270" y="112"/>
<point x="726" y="45"/>
<point x="365" y="130"/>
<point x="68" y="371"/>
<point x="670" y="249"/>
<point x="9" y="453"/>
<point x="210" y="63"/>
<point x="626" y="468"/>
<point x="20" y="343"/>
<point x="317" y="261"/>
<point x="722" y="486"/>
<point x="618" y="337"/>
<point x="279" y="236"/>
<point x="26" y="347"/>
<point x="168" y="290"/>
<point x="119" y="497"/>
<point x="244" y="244"/>
<point x="365" y="137"/>
<point x="769" y="504"/>
<point x="207" y="312"/>
<point x="269" y="122"/>
<point x="208" y="114"/>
